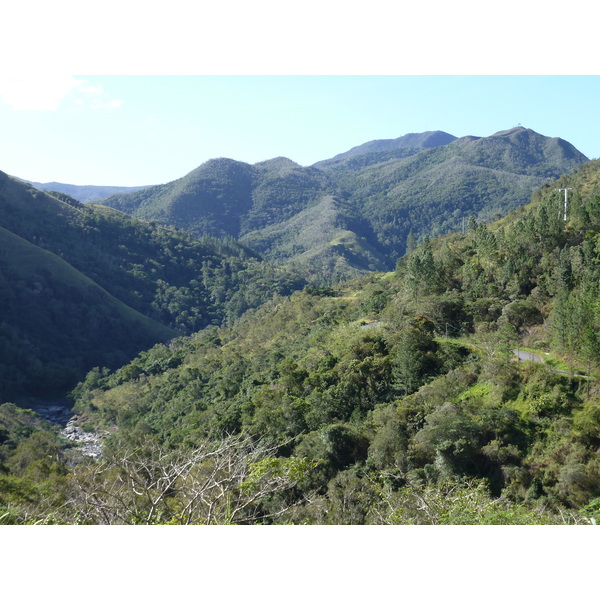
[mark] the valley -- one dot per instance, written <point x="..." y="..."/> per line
<point x="331" y="344"/>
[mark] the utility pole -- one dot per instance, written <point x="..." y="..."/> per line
<point x="566" y="191"/>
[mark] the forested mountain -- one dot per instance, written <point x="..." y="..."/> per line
<point x="362" y="204"/>
<point x="259" y="204"/>
<point x="57" y="323"/>
<point x="380" y="150"/>
<point x="437" y="190"/>
<point x="84" y="286"/>
<point x="83" y="193"/>
<point x="392" y="398"/>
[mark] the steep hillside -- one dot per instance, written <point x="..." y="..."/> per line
<point x="282" y="189"/>
<point x="57" y="323"/>
<point x="226" y="197"/>
<point x="429" y="183"/>
<point x="210" y="200"/>
<point x="324" y="236"/>
<point x="77" y="277"/>
<point x="398" y="398"/>
<point x="437" y="190"/>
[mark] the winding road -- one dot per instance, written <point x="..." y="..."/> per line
<point x="523" y="356"/>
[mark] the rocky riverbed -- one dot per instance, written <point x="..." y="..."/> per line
<point x="89" y="444"/>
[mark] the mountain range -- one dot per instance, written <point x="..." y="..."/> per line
<point x="86" y="285"/>
<point x="354" y="212"/>
<point x="83" y="193"/>
<point x="235" y="382"/>
<point x="395" y="398"/>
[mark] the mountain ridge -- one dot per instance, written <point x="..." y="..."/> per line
<point x="425" y="183"/>
<point x="427" y="139"/>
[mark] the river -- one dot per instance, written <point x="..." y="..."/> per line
<point x="89" y="444"/>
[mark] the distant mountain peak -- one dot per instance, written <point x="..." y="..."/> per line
<point x="468" y="138"/>
<point x="513" y="130"/>
<point x="213" y="165"/>
<point x="83" y="193"/>
<point x="427" y="139"/>
<point x="273" y="164"/>
<point x="221" y="161"/>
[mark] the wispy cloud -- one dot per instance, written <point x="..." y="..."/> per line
<point x="50" y="92"/>
<point x="95" y="97"/>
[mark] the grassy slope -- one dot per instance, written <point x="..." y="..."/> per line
<point x="30" y="261"/>
<point x="57" y="323"/>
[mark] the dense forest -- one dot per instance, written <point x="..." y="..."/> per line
<point x="390" y="398"/>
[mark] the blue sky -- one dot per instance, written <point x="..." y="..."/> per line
<point x="170" y="86"/>
<point x="138" y="130"/>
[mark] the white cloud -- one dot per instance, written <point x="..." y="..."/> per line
<point x="95" y="97"/>
<point x="37" y="92"/>
<point x="47" y="92"/>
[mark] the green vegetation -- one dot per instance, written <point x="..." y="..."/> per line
<point x="84" y="286"/>
<point x="400" y="424"/>
<point x="33" y="467"/>
<point x="353" y="213"/>
<point x="388" y="398"/>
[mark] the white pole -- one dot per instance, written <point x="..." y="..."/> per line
<point x="565" y="190"/>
